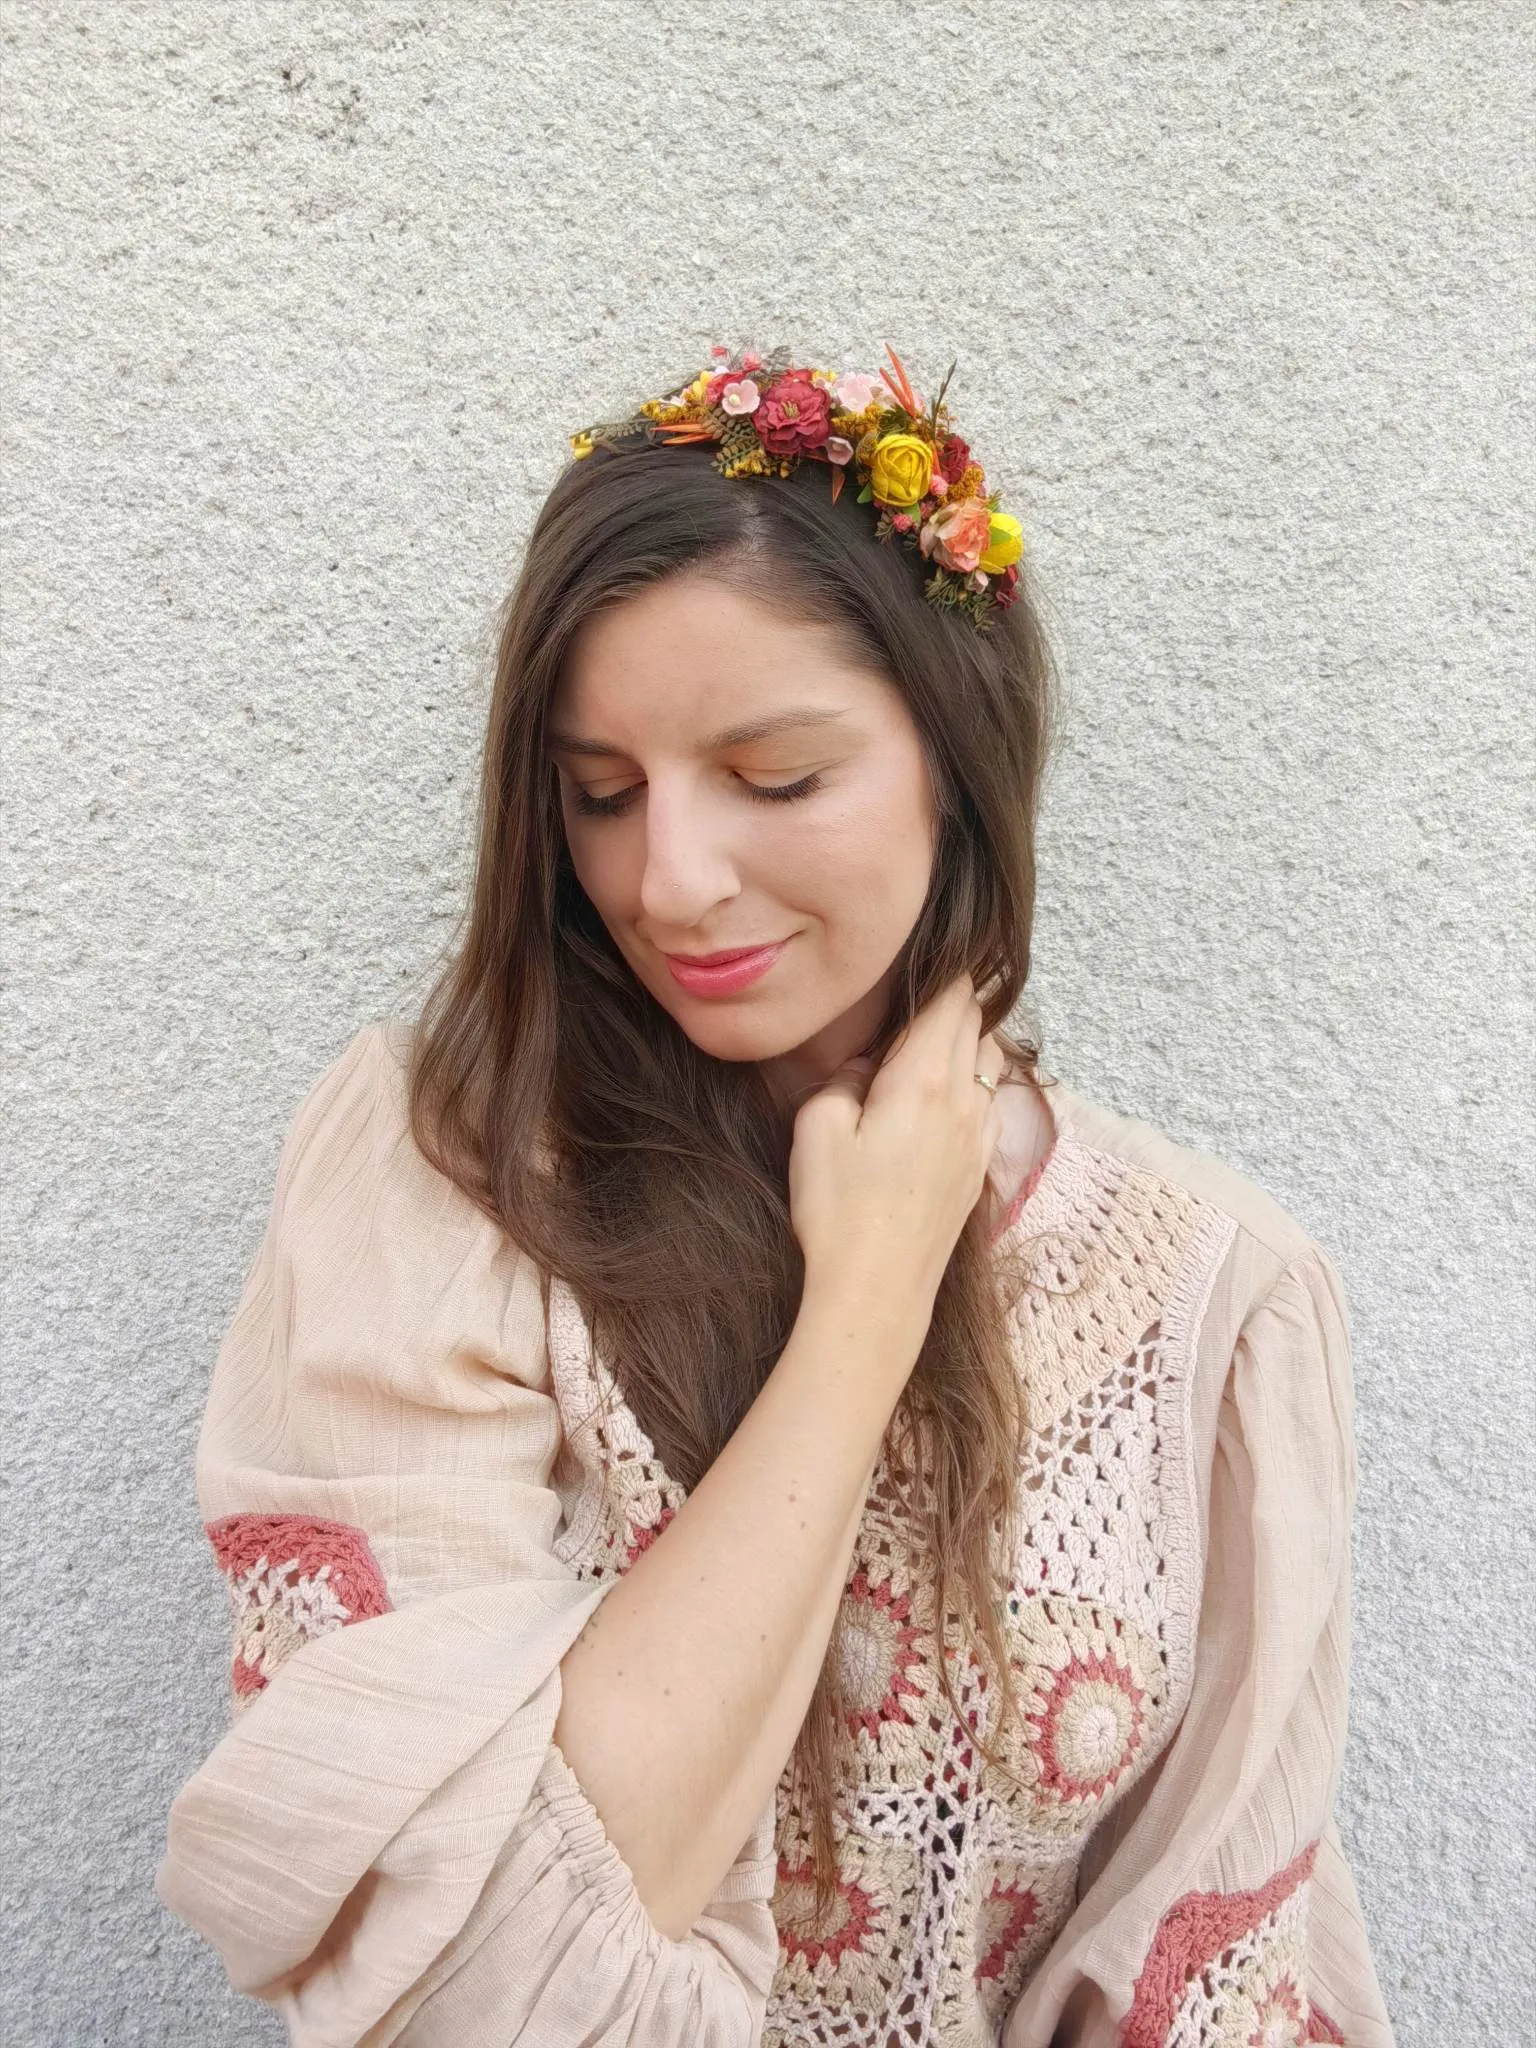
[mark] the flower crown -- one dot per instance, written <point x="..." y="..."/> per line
<point x="767" y="415"/>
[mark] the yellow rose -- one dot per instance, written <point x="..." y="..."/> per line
<point x="901" y="470"/>
<point x="1005" y="543"/>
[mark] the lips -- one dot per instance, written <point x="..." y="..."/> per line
<point x="720" y="959"/>
<point x="722" y="974"/>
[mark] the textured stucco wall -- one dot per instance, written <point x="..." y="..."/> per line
<point x="300" y="301"/>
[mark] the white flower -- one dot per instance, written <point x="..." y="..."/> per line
<point x="741" y="395"/>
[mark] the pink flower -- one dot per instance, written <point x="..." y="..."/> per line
<point x="903" y="522"/>
<point x="741" y="395"/>
<point x="794" y="415"/>
<point x="938" y="484"/>
<point x="978" y="579"/>
<point x="958" y="534"/>
<point x="839" y="449"/>
<point x="853" y="391"/>
<point x="718" y="349"/>
<point x="751" y="360"/>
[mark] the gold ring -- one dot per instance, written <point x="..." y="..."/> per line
<point x="987" y="1082"/>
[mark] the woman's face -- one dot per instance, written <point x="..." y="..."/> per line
<point x="681" y="712"/>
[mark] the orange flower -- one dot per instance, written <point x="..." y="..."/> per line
<point x="958" y="533"/>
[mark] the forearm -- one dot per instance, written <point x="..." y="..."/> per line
<point x="683" y="1696"/>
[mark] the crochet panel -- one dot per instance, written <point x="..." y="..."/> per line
<point x="615" y="1494"/>
<point x="1229" y="1970"/>
<point x="290" y="1578"/>
<point x="956" y="1874"/>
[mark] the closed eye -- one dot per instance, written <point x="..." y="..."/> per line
<point x="763" y="793"/>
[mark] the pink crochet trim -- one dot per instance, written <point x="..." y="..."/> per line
<point x="1190" y="1936"/>
<point x="1031" y="1182"/>
<point x="1321" y="2028"/>
<point x="291" y="1578"/>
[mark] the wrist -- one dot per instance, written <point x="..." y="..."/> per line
<point x="874" y="1321"/>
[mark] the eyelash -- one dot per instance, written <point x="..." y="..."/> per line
<point x="784" y="793"/>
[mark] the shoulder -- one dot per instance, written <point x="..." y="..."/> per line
<point x="1264" y="1241"/>
<point x="351" y="1169"/>
<point x="1251" y="1310"/>
<point x="365" y="1082"/>
<point x="1103" y="1127"/>
<point x="355" y="1114"/>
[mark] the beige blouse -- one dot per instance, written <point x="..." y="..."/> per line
<point x="419" y="1484"/>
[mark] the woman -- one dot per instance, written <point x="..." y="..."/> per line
<point x="753" y="1513"/>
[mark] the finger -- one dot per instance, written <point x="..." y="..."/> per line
<point x="858" y="1073"/>
<point x="991" y="1058"/>
<point x="850" y="1080"/>
<point x="937" y="1017"/>
<point x="966" y="1050"/>
<point x="988" y="1064"/>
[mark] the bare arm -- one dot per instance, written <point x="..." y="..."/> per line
<point x="685" y="1692"/>
<point x="684" y="1695"/>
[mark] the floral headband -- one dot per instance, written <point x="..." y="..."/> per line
<point x="767" y="414"/>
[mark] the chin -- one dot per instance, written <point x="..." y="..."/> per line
<point x="730" y="1031"/>
<point x="739" y="1028"/>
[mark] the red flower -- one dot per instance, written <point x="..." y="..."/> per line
<point x="794" y="415"/>
<point x="954" y="458"/>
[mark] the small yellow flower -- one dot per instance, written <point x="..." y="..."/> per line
<point x="1005" y="543"/>
<point x="581" y="444"/>
<point x="901" y="470"/>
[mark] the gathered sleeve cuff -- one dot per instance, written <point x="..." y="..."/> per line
<point x="1219" y="1908"/>
<point x="386" y="1844"/>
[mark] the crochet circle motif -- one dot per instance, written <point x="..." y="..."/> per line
<point x="1090" y="1727"/>
<point x="291" y="1579"/>
<point x="1007" y="1914"/>
<point x="880" y="1645"/>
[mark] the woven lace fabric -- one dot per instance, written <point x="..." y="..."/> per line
<point x="955" y="1876"/>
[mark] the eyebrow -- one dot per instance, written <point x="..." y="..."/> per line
<point x="731" y="736"/>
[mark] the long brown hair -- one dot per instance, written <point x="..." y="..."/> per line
<point x="551" y="1087"/>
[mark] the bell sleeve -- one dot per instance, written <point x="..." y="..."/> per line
<point x="1218" y="1909"/>
<point x="386" y="1845"/>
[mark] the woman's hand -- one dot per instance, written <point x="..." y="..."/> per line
<point x="886" y="1165"/>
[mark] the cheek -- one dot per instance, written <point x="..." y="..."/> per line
<point x="869" y="858"/>
<point x="601" y="862"/>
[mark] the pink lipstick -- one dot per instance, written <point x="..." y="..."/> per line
<point x="722" y="974"/>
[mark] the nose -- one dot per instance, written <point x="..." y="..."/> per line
<point x="689" y="863"/>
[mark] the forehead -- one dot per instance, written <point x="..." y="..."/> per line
<point x="693" y="660"/>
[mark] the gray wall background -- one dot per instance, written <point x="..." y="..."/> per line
<point x="301" y="302"/>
